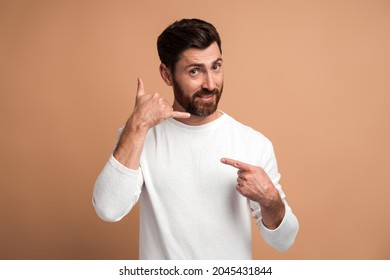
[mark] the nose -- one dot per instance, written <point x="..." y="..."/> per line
<point x="208" y="81"/>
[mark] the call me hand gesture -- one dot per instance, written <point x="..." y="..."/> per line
<point x="149" y="110"/>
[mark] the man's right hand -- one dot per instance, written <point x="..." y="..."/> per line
<point x="151" y="109"/>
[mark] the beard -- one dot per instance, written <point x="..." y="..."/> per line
<point x="193" y="105"/>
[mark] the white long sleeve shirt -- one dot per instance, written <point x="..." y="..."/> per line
<point x="189" y="206"/>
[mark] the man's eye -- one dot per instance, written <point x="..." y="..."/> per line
<point x="194" y="71"/>
<point x="217" y="66"/>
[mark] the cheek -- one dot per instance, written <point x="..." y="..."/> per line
<point x="187" y="85"/>
<point x="194" y="85"/>
<point x="191" y="88"/>
<point x="219" y="80"/>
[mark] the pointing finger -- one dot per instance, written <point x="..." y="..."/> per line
<point x="237" y="164"/>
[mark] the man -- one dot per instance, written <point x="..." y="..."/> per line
<point x="197" y="172"/>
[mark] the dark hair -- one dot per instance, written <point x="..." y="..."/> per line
<point x="182" y="35"/>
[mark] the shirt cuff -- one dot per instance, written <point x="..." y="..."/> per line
<point x="284" y="235"/>
<point x="120" y="167"/>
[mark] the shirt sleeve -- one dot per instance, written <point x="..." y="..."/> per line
<point x="283" y="237"/>
<point x="116" y="191"/>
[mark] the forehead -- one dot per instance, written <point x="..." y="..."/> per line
<point x="200" y="56"/>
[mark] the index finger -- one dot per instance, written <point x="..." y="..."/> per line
<point x="237" y="164"/>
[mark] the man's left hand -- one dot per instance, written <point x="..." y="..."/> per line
<point x="254" y="183"/>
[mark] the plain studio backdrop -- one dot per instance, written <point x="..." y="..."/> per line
<point x="313" y="76"/>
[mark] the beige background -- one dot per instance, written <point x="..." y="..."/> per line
<point x="313" y="76"/>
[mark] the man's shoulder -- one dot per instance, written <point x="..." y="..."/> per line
<point x="244" y="129"/>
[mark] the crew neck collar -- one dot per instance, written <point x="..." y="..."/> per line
<point x="213" y="123"/>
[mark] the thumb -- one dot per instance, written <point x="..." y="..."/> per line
<point x="140" y="88"/>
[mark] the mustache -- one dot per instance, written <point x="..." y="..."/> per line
<point x="205" y="91"/>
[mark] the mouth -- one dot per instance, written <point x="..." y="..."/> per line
<point x="205" y="98"/>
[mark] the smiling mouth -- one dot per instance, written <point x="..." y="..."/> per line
<point x="205" y="98"/>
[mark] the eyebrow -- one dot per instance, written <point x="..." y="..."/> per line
<point x="219" y="59"/>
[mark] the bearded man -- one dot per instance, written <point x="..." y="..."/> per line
<point x="198" y="174"/>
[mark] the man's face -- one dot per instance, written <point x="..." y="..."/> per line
<point x="198" y="81"/>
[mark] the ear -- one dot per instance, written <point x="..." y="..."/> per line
<point x="166" y="74"/>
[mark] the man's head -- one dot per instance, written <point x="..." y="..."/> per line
<point x="191" y="62"/>
<point x="183" y="35"/>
